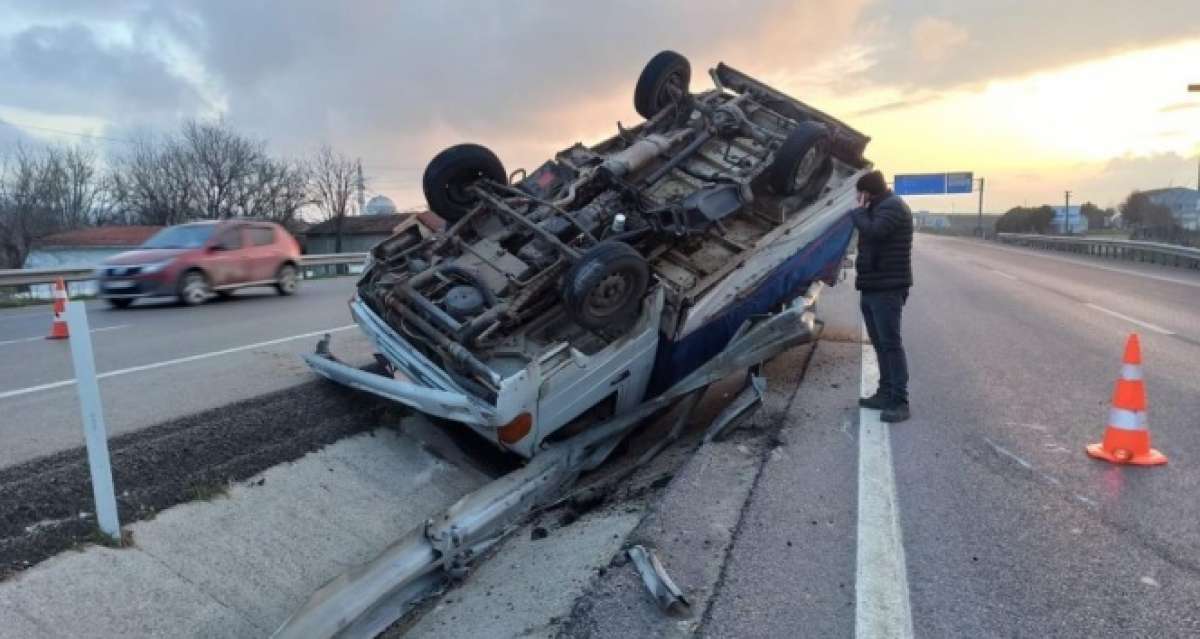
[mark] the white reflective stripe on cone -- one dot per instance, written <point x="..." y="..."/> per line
<point x="1131" y="371"/>
<point x="1127" y="419"/>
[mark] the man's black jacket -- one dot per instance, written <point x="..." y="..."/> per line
<point x="885" y="236"/>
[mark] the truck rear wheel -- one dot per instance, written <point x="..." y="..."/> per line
<point x="801" y="163"/>
<point x="664" y="78"/>
<point x="450" y="174"/>
<point x="605" y="287"/>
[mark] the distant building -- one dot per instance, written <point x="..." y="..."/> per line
<point x="953" y="224"/>
<point x="932" y="221"/>
<point x="83" y="247"/>
<point x="380" y="205"/>
<point x="362" y="232"/>
<point x="1073" y="222"/>
<point x="86" y="246"/>
<point x="1184" y="204"/>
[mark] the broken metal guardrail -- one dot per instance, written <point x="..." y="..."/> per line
<point x="1154" y="252"/>
<point x="28" y="276"/>
<point x="368" y="599"/>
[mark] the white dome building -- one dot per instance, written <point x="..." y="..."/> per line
<point x="380" y="205"/>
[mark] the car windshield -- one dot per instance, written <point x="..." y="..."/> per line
<point x="185" y="236"/>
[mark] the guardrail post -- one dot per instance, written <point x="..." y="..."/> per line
<point x="94" y="433"/>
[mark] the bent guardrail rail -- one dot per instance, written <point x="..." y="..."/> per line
<point x="366" y="600"/>
<point x="27" y="276"/>
<point x="1154" y="252"/>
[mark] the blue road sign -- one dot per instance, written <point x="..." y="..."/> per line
<point x="934" y="183"/>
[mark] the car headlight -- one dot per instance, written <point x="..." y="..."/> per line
<point x="156" y="267"/>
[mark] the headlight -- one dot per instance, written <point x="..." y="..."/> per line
<point x="156" y="267"/>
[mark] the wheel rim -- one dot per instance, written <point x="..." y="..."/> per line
<point x="195" y="289"/>
<point x="671" y="89"/>
<point x="456" y="188"/>
<point x="287" y="279"/>
<point x="609" y="296"/>
<point x="806" y="168"/>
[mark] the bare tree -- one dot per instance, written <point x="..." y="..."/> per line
<point x="333" y="182"/>
<point x="275" y="190"/>
<point x="223" y="163"/>
<point x="43" y="190"/>
<point x="154" y="182"/>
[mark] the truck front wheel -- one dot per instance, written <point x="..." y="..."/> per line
<point x="604" y="289"/>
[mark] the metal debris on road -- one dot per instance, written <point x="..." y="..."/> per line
<point x="658" y="582"/>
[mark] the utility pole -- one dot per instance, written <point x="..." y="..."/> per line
<point x="1067" y="215"/>
<point x="362" y="203"/>
<point x="1195" y="88"/>
<point x="979" y="223"/>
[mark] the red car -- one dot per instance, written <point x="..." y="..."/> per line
<point x="199" y="260"/>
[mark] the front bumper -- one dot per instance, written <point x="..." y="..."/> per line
<point x="430" y="390"/>
<point x="134" y="287"/>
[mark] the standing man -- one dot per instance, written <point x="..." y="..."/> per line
<point x="884" y="265"/>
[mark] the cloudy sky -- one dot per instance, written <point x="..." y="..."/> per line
<point x="1035" y="96"/>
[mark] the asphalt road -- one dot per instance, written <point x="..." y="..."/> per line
<point x="159" y="361"/>
<point x="1002" y="525"/>
<point x="1008" y="528"/>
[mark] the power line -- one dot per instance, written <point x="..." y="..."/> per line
<point x="20" y="125"/>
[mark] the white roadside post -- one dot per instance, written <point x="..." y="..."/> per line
<point x="95" y="435"/>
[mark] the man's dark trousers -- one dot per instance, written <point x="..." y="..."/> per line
<point x="881" y="313"/>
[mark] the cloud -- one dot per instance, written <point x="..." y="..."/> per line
<point x="65" y="69"/>
<point x="401" y="79"/>
<point x="1013" y="38"/>
<point x="897" y="105"/>
<point x="1179" y="106"/>
<point x="934" y="39"/>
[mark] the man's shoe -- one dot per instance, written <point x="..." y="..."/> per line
<point x="874" y="402"/>
<point x="894" y="414"/>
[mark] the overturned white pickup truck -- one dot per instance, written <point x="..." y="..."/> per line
<point x="579" y="290"/>
<point x="561" y="309"/>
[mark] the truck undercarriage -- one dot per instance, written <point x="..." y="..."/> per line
<point x="543" y="280"/>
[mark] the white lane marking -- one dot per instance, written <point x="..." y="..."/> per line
<point x="171" y="362"/>
<point x="1132" y="320"/>
<point x="42" y="337"/>
<point x="1111" y="269"/>
<point x="881" y="605"/>
<point x="1008" y="275"/>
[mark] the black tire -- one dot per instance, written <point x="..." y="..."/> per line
<point x="806" y="150"/>
<point x="119" y="302"/>
<point x="287" y="279"/>
<point x="663" y="72"/>
<point x="604" y="288"/>
<point x="450" y="173"/>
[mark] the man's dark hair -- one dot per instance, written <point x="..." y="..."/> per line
<point x="873" y="184"/>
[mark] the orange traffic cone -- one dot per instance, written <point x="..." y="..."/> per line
<point x="1126" y="440"/>
<point x="58" y="330"/>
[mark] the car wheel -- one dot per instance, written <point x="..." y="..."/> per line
<point x="450" y="174"/>
<point x="194" y="288"/>
<point x="287" y="280"/>
<point x="605" y="287"/>
<point x="119" y="302"/>
<point x="801" y="161"/>
<point x="664" y="80"/>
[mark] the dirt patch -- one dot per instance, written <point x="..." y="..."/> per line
<point x="46" y="504"/>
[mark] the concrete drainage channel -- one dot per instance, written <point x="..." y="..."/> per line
<point x="247" y="554"/>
